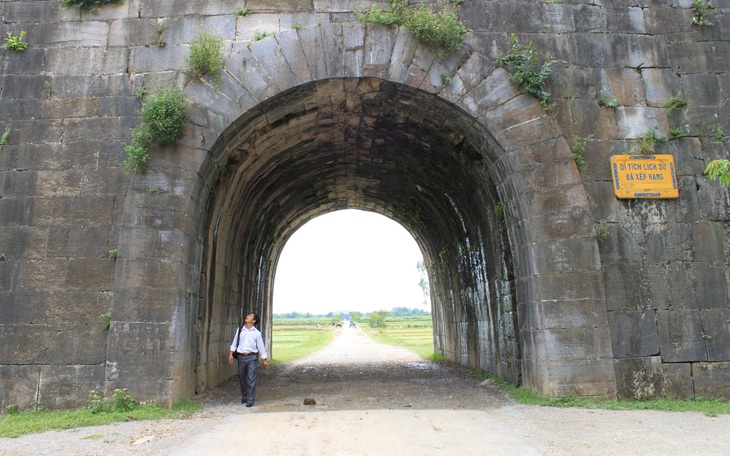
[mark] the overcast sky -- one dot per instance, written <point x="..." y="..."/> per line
<point x="349" y="260"/>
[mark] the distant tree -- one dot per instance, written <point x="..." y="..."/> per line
<point x="356" y="316"/>
<point x="377" y="319"/>
<point x="423" y="282"/>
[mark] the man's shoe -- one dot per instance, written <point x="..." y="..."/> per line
<point x="243" y="401"/>
<point x="249" y="405"/>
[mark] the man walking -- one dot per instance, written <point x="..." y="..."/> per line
<point x="249" y="345"/>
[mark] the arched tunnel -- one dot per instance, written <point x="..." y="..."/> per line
<point x="368" y="144"/>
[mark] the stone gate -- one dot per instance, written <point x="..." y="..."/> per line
<point x="539" y="274"/>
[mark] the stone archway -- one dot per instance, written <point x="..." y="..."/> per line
<point x="296" y="129"/>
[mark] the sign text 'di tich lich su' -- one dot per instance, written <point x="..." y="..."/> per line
<point x="644" y="176"/>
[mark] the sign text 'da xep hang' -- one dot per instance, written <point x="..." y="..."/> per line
<point x="644" y="176"/>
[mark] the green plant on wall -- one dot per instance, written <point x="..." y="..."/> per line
<point x="106" y="320"/>
<point x="578" y="149"/>
<point x="700" y="8"/>
<point x="243" y="11"/>
<point x="606" y="100"/>
<point x="87" y="5"/>
<point x="677" y="132"/>
<point x="437" y="27"/>
<point x="719" y="170"/>
<point x="602" y="230"/>
<point x="259" y="35"/>
<point x="714" y="131"/>
<point x="205" y="56"/>
<point x="528" y="69"/>
<point x="15" y="43"/>
<point x="163" y="117"/>
<point x="161" y="29"/>
<point x="648" y="140"/>
<point x="677" y="102"/>
<point x="4" y="137"/>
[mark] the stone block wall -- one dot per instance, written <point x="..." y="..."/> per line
<point x="69" y="101"/>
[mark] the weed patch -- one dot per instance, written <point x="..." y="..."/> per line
<point x="205" y="57"/>
<point x="163" y="117"/>
<point x="528" y="69"/>
<point x="87" y="5"/>
<point x="437" y="27"/>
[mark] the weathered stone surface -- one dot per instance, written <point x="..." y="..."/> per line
<point x="711" y="379"/>
<point x="680" y="336"/>
<point x="716" y="332"/>
<point x="18" y="385"/>
<point x="633" y="334"/>
<point x="47" y="344"/>
<point x="649" y="378"/>
<point x="57" y="383"/>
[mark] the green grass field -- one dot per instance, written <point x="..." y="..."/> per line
<point x="293" y="340"/>
<point x="413" y="333"/>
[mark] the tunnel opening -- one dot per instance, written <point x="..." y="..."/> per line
<point x="373" y="145"/>
<point x="350" y="269"/>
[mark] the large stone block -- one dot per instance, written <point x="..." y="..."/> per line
<point x="36" y="11"/>
<point x="659" y="85"/>
<point x="136" y="32"/>
<point x="18" y="386"/>
<point x="712" y="287"/>
<point x="635" y="122"/>
<point x="92" y="274"/>
<point x="633" y="333"/>
<point x="506" y="17"/>
<point x="555" y="226"/>
<point x="708" y="239"/>
<point x="49" y="344"/>
<point x="139" y="351"/>
<point x="625" y="20"/>
<point x="84" y="61"/>
<point x="73" y="211"/>
<point x="649" y="378"/>
<point x="268" y="53"/>
<point x="564" y="314"/>
<point x="88" y="33"/>
<point x="588" y="377"/>
<point x="711" y="380"/>
<point x="151" y="272"/>
<point x="622" y="286"/>
<point x="332" y="37"/>
<point x="69" y="386"/>
<point x="716" y="332"/>
<point x="665" y="244"/>
<point x="696" y="57"/>
<point x="153" y="305"/>
<point x="30" y="61"/>
<point x="174" y="8"/>
<point x="91" y="242"/>
<point x="680" y="336"/>
<point x="143" y="59"/>
<point x="24" y="86"/>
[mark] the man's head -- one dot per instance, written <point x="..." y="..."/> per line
<point x="252" y="318"/>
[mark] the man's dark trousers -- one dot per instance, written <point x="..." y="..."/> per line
<point x="248" y="370"/>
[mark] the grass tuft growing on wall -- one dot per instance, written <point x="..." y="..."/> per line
<point x="205" y="56"/>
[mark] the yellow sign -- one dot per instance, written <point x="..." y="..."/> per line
<point x="644" y="176"/>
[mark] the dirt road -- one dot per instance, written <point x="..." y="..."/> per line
<point x="373" y="399"/>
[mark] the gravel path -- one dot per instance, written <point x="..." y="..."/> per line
<point x="377" y="399"/>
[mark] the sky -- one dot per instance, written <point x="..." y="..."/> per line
<point x="349" y="260"/>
